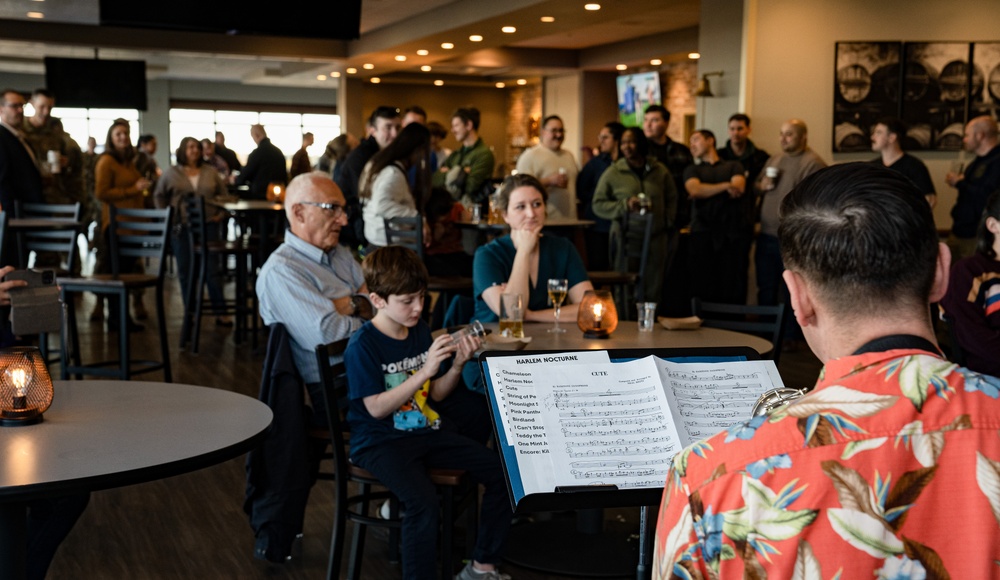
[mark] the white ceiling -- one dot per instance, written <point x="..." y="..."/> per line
<point x="388" y="28"/>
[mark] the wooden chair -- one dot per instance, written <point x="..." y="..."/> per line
<point x="205" y="253"/>
<point x="134" y="233"/>
<point x="630" y="252"/>
<point x="456" y="491"/>
<point x="62" y="241"/>
<point x="765" y="321"/>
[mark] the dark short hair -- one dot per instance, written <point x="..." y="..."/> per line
<point x="895" y="125"/>
<point x="641" y="141"/>
<point x="437" y="129"/>
<point x="706" y="134"/>
<point x="658" y="109"/>
<point x="468" y="115"/>
<point x="417" y="110"/>
<point x="863" y="235"/>
<point x="616" y="128"/>
<point x="383" y="112"/>
<point x="145" y="138"/>
<point x="307" y="134"/>
<point x="3" y="95"/>
<point x="394" y="270"/>
<point x="42" y="93"/>
<point x="742" y="117"/>
<point x="520" y="180"/>
<point x="546" y="120"/>
<point x="181" y="153"/>
<point x="984" y="242"/>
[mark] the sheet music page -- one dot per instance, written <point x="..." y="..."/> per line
<point x="707" y="398"/>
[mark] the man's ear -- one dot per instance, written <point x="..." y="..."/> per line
<point x="803" y="304"/>
<point x="941" y="271"/>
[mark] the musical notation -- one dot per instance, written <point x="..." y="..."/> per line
<point x="626" y="412"/>
<point x="602" y="432"/>
<point x="561" y="394"/>
<point x="611" y="422"/>
<point x="688" y="376"/>
<point x="622" y="442"/>
<point x="619" y="464"/>
<point x="623" y="451"/>
<point x="617" y="473"/>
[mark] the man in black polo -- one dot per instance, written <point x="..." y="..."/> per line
<point x="266" y="164"/>
<point x="720" y="219"/>
<point x="887" y="137"/>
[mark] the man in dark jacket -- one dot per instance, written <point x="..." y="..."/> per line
<point x="266" y="164"/>
<point x="19" y="176"/>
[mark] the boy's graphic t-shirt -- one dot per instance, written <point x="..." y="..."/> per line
<point x="377" y="363"/>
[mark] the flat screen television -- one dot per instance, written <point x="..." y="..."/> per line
<point x="635" y="93"/>
<point x="97" y="84"/>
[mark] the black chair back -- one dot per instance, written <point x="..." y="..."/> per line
<point x="631" y="251"/>
<point x="765" y="321"/>
<point x="407" y="232"/>
<point x="62" y="241"/>
<point x="139" y="233"/>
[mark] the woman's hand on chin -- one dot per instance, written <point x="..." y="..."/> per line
<point x="525" y="239"/>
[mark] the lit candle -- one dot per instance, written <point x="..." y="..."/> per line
<point x="20" y="379"/>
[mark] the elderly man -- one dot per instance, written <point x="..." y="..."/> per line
<point x="266" y="164"/>
<point x="889" y="468"/>
<point x="554" y="167"/>
<point x="19" y="176"/>
<point x="980" y="179"/>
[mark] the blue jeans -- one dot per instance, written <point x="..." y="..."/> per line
<point x="401" y="465"/>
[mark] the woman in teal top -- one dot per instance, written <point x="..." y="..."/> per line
<point x="524" y="261"/>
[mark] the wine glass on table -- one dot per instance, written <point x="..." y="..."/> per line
<point x="557" y="294"/>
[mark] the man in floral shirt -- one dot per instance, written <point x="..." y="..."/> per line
<point x="890" y="467"/>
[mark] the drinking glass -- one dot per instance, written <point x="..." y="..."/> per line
<point x="557" y="294"/>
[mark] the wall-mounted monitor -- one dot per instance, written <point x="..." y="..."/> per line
<point x="97" y="84"/>
<point x="635" y="93"/>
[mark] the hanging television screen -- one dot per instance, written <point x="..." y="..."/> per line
<point x="97" y="84"/>
<point x="635" y="93"/>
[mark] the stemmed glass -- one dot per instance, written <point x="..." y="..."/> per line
<point x="557" y="294"/>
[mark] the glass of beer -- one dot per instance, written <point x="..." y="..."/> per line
<point x="511" y="316"/>
<point x="557" y="294"/>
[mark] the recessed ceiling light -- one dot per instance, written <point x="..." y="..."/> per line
<point x="548" y="18"/>
<point x="508" y="30"/>
<point x="439" y="83"/>
<point x="447" y="45"/>
<point x="335" y="74"/>
<point x="423" y="52"/>
<point x="352" y="70"/>
<point x="35" y="15"/>
<point x="501" y="85"/>
<point x="476" y="38"/>
<point x="376" y="80"/>
<point x="621" y="66"/>
<point x="426" y="68"/>
<point x="321" y="77"/>
<point x="656" y="62"/>
<point x="694" y="55"/>
<point x="368" y="66"/>
<point x="522" y="82"/>
<point x="400" y="58"/>
<point x="591" y="7"/>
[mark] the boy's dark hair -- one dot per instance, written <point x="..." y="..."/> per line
<point x="394" y="270"/>
<point x="740" y="117"/>
<point x="468" y="115"/>
<point x="520" y="180"/>
<point x="863" y="235"/>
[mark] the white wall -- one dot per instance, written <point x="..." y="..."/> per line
<point x="720" y="42"/>
<point x="790" y="63"/>
<point x="563" y="96"/>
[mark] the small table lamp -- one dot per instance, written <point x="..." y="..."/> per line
<point x="276" y="192"/>
<point x="597" y="316"/>
<point x="25" y="386"/>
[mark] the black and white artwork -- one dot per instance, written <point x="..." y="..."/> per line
<point x="936" y="89"/>
<point x="866" y="88"/>
<point x="985" y="94"/>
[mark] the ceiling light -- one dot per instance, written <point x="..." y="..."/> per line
<point x="368" y="66"/>
<point x="476" y="38"/>
<point x="591" y="7"/>
<point x="501" y="85"/>
<point x="352" y="70"/>
<point x="426" y="68"/>
<point x="335" y="74"/>
<point x="423" y="52"/>
<point x="508" y="30"/>
<point x="621" y="66"/>
<point x="439" y="83"/>
<point x="400" y="58"/>
<point x="522" y="82"/>
<point x="321" y="77"/>
<point x="694" y="55"/>
<point x="656" y="62"/>
<point x="447" y="45"/>
<point x="35" y="15"/>
<point x="548" y="18"/>
<point x="376" y="80"/>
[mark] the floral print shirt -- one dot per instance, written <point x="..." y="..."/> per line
<point x="889" y="468"/>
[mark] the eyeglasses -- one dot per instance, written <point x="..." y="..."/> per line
<point x="335" y="209"/>
<point x="14" y="105"/>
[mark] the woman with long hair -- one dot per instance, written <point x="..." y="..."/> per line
<point x="972" y="303"/>
<point x="190" y="177"/>
<point x="118" y="183"/>
<point x="385" y="191"/>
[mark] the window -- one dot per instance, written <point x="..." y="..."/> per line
<point x="84" y="123"/>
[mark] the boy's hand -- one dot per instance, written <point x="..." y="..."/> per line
<point x="466" y="348"/>
<point x="441" y="349"/>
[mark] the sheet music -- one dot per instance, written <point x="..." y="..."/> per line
<point x="706" y="398"/>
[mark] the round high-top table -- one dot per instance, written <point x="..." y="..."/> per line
<point x="104" y="434"/>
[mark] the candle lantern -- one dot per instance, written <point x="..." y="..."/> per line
<point x="276" y="192"/>
<point x="25" y="386"/>
<point x="597" y="316"/>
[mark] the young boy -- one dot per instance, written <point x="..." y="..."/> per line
<point x="394" y="368"/>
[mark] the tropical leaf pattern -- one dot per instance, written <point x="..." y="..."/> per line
<point x="877" y="461"/>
